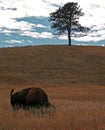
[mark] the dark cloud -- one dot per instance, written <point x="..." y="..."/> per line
<point x="13" y="9"/>
<point x="51" y="4"/>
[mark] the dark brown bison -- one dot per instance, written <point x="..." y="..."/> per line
<point x="29" y="97"/>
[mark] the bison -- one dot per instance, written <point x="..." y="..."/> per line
<point x="29" y="97"/>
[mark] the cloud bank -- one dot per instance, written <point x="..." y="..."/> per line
<point x="12" y="10"/>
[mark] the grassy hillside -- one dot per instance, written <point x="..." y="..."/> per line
<point x="53" y="64"/>
<point x="73" y="77"/>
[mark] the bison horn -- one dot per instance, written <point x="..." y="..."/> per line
<point x="11" y="92"/>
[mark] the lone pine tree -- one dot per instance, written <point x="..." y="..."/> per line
<point x="66" y="20"/>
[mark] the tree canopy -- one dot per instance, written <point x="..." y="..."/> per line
<point x="66" y="20"/>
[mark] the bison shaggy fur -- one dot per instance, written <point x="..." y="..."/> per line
<point x="29" y="97"/>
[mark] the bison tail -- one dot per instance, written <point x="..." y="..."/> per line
<point x="11" y="92"/>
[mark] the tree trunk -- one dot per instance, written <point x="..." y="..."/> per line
<point x="69" y="37"/>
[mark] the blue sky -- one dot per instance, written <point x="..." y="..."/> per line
<point x="25" y="22"/>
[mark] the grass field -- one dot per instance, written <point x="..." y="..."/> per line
<point x="77" y="108"/>
<point x="73" y="77"/>
<point x="53" y="64"/>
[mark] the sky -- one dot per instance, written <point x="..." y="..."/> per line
<point x="25" y="22"/>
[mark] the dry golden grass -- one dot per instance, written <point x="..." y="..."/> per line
<point x="78" y="107"/>
<point x="53" y="64"/>
<point x="73" y="77"/>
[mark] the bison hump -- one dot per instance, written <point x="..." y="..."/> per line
<point x="36" y="96"/>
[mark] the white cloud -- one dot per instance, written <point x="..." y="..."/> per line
<point x="40" y="26"/>
<point x="37" y="34"/>
<point x="14" y="41"/>
<point x="26" y="8"/>
<point x="46" y="35"/>
<point x="89" y="38"/>
<point x="6" y="32"/>
<point x="11" y="9"/>
<point x="96" y="34"/>
<point x="22" y="26"/>
<point x="23" y="8"/>
<point x="63" y="37"/>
